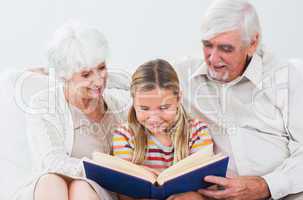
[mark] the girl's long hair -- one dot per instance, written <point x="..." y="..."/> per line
<point x="151" y="75"/>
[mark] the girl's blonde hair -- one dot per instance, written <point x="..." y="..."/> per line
<point x="151" y="75"/>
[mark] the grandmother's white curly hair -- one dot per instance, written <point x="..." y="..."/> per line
<point x="74" y="46"/>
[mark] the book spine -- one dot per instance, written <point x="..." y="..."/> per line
<point x="157" y="192"/>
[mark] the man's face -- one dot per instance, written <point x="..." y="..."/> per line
<point x="225" y="55"/>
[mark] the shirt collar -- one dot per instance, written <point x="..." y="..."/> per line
<point x="201" y="70"/>
<point x="253" y="71"/>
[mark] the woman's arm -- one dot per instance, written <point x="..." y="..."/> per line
<point x="47" y="135"/>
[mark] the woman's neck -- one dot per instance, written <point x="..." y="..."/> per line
<point x="95" y="109"/>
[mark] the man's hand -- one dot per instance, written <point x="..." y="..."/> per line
<point x="187" y="196"/>
<point x="237" y="188"/>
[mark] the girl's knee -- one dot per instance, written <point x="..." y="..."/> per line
<point x="81" y="190"/>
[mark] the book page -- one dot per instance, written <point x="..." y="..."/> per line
<point x="122" y="166"/>
<point x="187" y="165"/>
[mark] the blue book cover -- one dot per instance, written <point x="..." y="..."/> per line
<point x="138" y="187"/>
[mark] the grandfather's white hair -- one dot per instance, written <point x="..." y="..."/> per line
<point x="74" y="46"/>
<point x="229" y="15"/>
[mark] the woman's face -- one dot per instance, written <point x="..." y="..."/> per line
<point x="156" y="109"/>
<point x="89" y="83"/>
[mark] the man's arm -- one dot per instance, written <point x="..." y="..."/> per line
<point x="288" y="177"/>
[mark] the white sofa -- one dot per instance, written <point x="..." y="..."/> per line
<point x="15" y="165"/>
<point x="16" y="88"/>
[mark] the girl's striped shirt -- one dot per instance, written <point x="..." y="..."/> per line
<point x="159" y="156"/>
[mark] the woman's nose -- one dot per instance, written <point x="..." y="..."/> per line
<point x="98" y="79"/>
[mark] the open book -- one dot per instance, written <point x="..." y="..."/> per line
<point x="127" y="178"/>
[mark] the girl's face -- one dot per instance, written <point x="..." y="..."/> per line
<point x="156" y="109"/>
<point x="89" y="83"/>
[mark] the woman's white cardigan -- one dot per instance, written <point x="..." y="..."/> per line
<point x="50" y="133"/>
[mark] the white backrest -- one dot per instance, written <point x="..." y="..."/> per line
<point x="15" y="163"/>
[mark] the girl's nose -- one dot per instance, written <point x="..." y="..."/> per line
<point x="154" y="116"/>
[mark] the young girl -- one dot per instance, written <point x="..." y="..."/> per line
<point x="159" y="132"/>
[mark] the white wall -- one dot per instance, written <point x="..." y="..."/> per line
<point x="137" y="30"/>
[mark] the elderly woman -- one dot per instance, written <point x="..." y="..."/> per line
<point x="73" y="117"/>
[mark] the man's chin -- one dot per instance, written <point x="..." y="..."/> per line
<point x="221" y="76"/>
<point x="220" y="79"/>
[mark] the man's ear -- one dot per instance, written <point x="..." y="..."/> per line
<point x="254" y="43"/>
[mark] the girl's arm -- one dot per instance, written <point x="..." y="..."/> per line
<point x="200" y="138"/>
<point x="121" y="143"/>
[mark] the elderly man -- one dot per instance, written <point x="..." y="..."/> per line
<point x="252" y="103"/>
